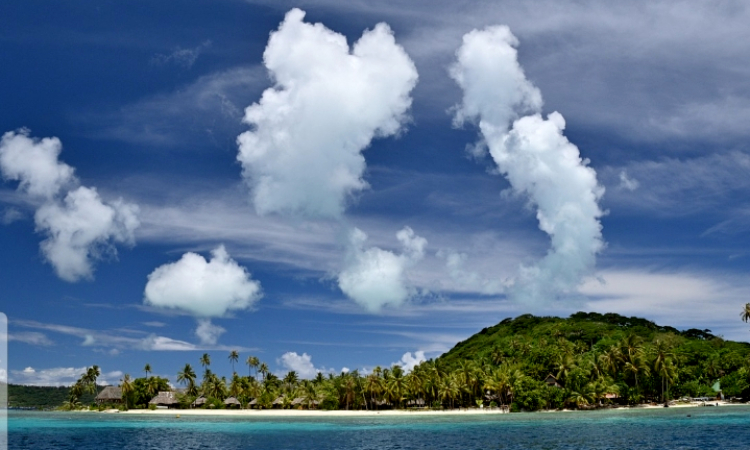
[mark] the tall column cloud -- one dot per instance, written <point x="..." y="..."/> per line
<point x="303" y="155"/>
<point x="79" y="225"/>
<point x="204" y="289"/>
<point x="535" y="157"/>
<point x="375" y="278"/>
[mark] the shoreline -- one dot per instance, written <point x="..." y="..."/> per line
<point x="291" y="413"/>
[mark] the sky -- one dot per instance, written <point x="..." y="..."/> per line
<point x="332" y="187"/>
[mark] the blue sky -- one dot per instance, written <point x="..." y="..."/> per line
<point x="357" y="220"/>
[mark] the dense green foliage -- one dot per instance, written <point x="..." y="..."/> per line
<point x="42" y="397"/>
<point x="591" y="352"/>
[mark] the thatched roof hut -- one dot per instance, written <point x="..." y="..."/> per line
<point x="200" y="401"/>
<point x="278" y="402"/>
<point x="232" y="402"/>
<point x="165" y="398"/>
<point x="109" y="394"/>
<point x="253" y="402"/>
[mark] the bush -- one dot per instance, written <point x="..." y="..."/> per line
<point x="329" y="403"/>
<point x="530" y="395"/>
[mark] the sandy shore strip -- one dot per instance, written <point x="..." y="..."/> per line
<point x="366" y="413"/>
<point x="308" y="412"/>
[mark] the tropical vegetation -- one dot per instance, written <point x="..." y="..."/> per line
<point x="527" y="363"/>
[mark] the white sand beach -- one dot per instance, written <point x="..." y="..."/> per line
<point x="366" y="413"/>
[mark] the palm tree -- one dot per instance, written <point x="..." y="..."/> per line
<point x="147" y="369"/>
<point x="290" y="380"/>
<point x="126" y="386"/>
<point x="662" y="359"/>
<point x="90" y="378"/>
<point x="263" y="370"/>
<point x="252" y="363"/>
<point x="236" y="388"/>
<point x="745" y="314"/>
<point x="233" y="357"/>
<point x="205" y="360"/>
<point x="636" y="365"/>
<point x="187" y="375"/>
<point x="152" y="386"/>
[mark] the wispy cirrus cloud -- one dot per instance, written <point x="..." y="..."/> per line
<point x="110" y="339"/>
<point x="31" y="337"/>
<point x="672" y="187"/>
<point x="207" y="110"/>
<point x="184" y="57"/>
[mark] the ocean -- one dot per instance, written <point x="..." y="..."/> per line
<point x="664" y="429"/>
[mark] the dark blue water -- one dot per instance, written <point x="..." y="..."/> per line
<point x="663" y="429"/>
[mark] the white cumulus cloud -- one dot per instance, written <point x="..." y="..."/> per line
<point x="79" y="225"/>
<point x="375" y="278"/>
<point x="34" y="164"/>
<point x="303" y="154"/>
<point x="536" y="158"/>
<point x="409" y="360"/>
<point x="202" y="288"/>
<point x="302" y="364"/>
<point x="82" y="228"/>
<point x="208" y="332"/>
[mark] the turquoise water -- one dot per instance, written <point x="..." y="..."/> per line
<point x="664" y="429"/>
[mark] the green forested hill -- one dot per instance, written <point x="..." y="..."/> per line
<point x="43" y="397"/>
<point x="590" y="351"/>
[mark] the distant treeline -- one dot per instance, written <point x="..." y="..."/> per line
<point x="42" y="397"/>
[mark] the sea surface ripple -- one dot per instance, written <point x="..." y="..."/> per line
<point x="663" y="429"/>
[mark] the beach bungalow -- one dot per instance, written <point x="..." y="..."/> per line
<point x="552" y="381"/>
<point x="252" y="403"/>
<point x="302" y="402"/>
<point x="109" y="394"/>
<point x="165" y="399"/>
<point x="200" y="401"/>
<point x="278" y="403"/>
<point x="232" y="402"/>
<point x="416" y="403"/>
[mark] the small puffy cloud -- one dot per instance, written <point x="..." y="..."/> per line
<point x="628" y="183"/>
<point x="409" y="360"/>
<point x="58" y="376"/>
<point x="208" y="333"/>
<point x="11" y="215"/>
<point x="34" y="164"/>
<point x="82" y="228"/>
<point x="163" y="343"/>
<point x="302" y="364"/>
<point x="202" y="288"/>
<point x="303" y="155"/>
<point x="375" y="278"/>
